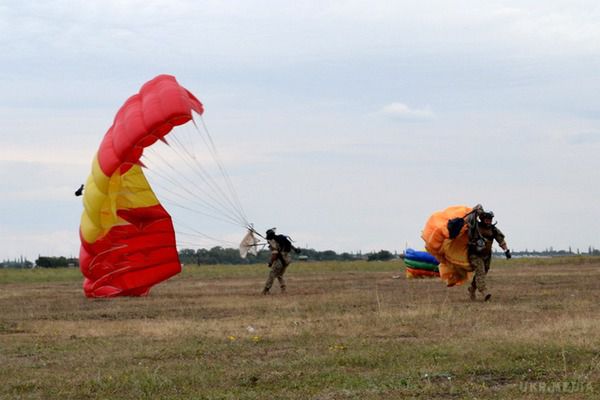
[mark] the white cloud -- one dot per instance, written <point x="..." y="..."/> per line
<point x="402" y="112"/>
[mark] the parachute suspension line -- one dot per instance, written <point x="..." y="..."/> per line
<point x="196" y="197"/>
<point x="215" y="205"/>
<point x="178" y="205"/>
<point x="192" y="161"/>
<point x="230" y="198"/>
<point x="182" y="243"/>
<point x="221" y="167"/>
<point x="190" y="238"/>
<point x="197" y="233"/>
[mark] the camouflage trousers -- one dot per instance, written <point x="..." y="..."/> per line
<point x="277" y="270"/>
<point x="481" y="266"/>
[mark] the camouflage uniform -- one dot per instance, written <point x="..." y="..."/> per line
<point x="280" y="260"/>
<point x="480" y="254"/>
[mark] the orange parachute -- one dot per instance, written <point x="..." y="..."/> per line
<point x="127" y="237"/>
<point x="452" y="253"/>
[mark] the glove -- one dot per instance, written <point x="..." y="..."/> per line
<point x="270" y="264"/>
<point x="507" y="254"/>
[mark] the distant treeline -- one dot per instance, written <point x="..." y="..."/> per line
<point x="220" y="255"/>
<point x="41" y="262"/>
<point x="215" y="255"/>
<point x="550" y="252"/>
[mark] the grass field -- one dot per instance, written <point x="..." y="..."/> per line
<point x="343" y="331"/>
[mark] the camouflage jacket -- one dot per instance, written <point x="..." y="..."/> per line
<point x="482" y="238"/>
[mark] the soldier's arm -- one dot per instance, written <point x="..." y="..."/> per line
<point x="500" y="238"/>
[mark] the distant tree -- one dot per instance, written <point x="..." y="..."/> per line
<point x="328" y="255"/>
<point x="56" y="262"/>
<point x="382" y="255"/>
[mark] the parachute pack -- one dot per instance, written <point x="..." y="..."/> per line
<point x="284" y="243"/>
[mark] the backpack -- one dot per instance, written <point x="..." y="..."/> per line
<point x="284" y="243"/>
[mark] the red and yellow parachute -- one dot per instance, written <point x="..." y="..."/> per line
<point x="451" y="253"/>
<point x="127" y="237"/>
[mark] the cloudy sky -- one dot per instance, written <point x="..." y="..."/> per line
<point x="343" y="123"/>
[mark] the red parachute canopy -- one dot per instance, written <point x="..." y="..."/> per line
<point x="127" y="237"/>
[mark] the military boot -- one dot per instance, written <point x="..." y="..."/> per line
<point x="487" y="296"/>
<point x="283" y="290"/>
<point x="265" y="291"/>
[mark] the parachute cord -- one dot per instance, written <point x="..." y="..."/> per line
<point x="178" y="205"/>
<point x="205" y="176"/>
<point x="182" y="243"/>
<point x="188" y="235"/>
<point x="197" y="198"/>
<point x="215" y="205"/>
<point x="216" y="201"/>
<point x="192" y="161"/>
<point x="200" y="234"/>
<point x="231" y="198"/>
<point x="224" y="172"/>
<point x="220" y="165"/>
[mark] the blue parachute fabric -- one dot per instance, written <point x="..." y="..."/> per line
<point x="422" y="256"/>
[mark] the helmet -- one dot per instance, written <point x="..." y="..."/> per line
<point x="270" y="233"/>
<point x="486" y="215"/>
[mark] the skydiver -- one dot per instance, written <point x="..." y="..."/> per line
<point x="79" y="191"/>
<point x="280" y="246"/>
<point x="482" y="233"/>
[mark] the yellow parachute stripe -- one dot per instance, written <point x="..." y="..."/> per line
<point x="104" y="196"/>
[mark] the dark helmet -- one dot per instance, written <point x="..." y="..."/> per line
<point x="270" y="233"/>
<point x="486" y="215"/>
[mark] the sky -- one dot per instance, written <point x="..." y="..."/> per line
<point x="345" y="124"/>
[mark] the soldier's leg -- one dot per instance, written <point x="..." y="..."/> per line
<point x="473" y="286"/>
<point x="472" y="289"/>
<point x="487" y="262"/>
<point x="280" y="278"/>
<point x="271" y="277"/>
<point x="281" y="283"/>
<point x="479" y="278"/>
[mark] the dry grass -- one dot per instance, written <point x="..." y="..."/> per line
<point x="344" y="331"/>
